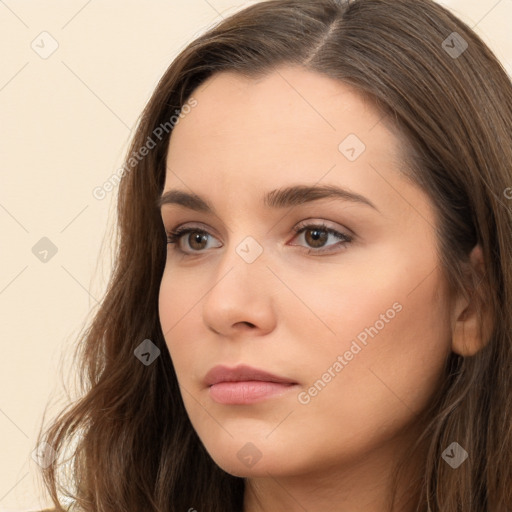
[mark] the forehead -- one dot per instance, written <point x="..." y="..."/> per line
<point x="289" y="105"/>
<point x="291" y="126"/>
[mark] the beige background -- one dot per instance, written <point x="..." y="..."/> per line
<point x="65" y="123"/>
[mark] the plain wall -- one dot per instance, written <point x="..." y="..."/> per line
<point x="65" y="121"/>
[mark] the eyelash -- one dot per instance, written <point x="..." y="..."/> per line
<point x="173" y="237"/>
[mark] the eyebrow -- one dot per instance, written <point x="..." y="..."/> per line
<point x="276" y="199"/>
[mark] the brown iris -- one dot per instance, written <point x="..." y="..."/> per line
<point x="197" y="238"/>
<point x="318" y="235"/>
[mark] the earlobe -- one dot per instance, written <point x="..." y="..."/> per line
<point x="471" y="319"/>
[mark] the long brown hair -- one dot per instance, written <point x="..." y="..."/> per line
<point x="133" y="446"/>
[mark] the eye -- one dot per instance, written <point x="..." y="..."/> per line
<point x="317" y="235"/>
<point x="314" y="235"/>
<point x="196" y="242"/>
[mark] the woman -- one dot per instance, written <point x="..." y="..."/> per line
<point x="328" y="325"/>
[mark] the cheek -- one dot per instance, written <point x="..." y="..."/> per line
<point x="167" y="304"/>
<point x="393" y="338"/>
<point x="180" y="296"/>
<point x="178" y="306"/>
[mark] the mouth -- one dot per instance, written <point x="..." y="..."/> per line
<point x="245" y="385"/>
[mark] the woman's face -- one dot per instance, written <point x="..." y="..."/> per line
<point x="358" y="330"/>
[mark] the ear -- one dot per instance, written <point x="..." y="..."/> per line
<point x="470" y="331"/>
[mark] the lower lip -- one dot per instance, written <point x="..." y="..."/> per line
<point x="247" y="392"/>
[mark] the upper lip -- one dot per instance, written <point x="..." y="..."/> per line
<point x="241" y="373"/>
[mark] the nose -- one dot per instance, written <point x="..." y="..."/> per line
<point x="241" y="296"/>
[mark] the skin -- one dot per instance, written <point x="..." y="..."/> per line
<point x="292" y="313"/>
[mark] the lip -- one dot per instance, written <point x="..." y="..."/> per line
<point x="244" y="384"/>
<point x="241" y="373"/>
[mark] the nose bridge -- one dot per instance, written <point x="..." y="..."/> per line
<point x="240" y="291"/>
<point x="243" y="259"/>
<point x="245" y="241"/>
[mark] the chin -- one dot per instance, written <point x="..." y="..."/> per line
<point x="262" y="468"/>
<point x="243" y="458"/>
